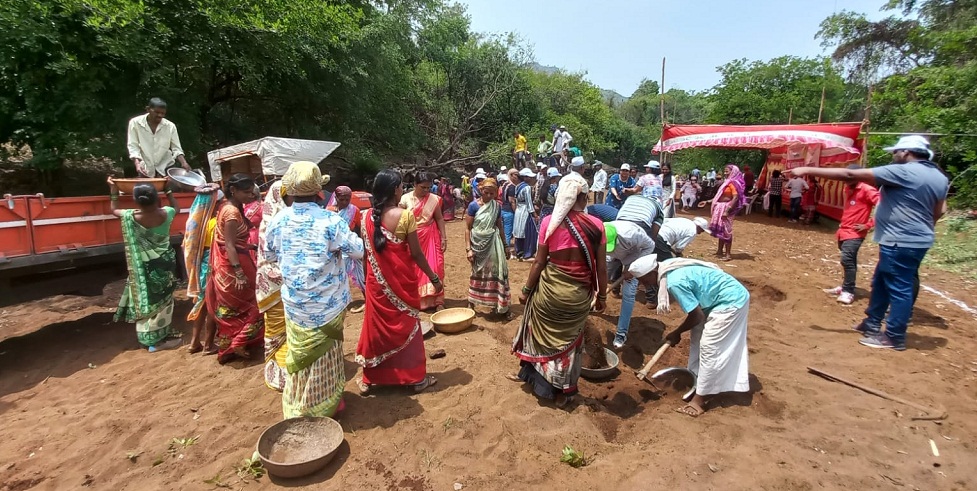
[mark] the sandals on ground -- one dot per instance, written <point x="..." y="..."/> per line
<point x="428" y="382"/>
<point x="691" y="410"/>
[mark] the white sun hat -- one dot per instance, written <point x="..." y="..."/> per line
<point x="553" y="172"/>
<point x="702" y="223"/>
<point x="653" y="164"/>
<point x="625" y="167"/>
<point x="643" y="266"/>
<point x="527" y="173"/>
<point x="911" y="142"/>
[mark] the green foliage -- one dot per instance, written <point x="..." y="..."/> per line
<point x="572" y="457"/>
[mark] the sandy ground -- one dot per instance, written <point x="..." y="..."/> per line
<point x="78" y="397"/>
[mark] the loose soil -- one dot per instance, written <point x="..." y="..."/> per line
<point x="84" y="407"/>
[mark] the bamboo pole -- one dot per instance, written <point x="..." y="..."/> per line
<point x="821" y="109"/>
<point x="661" y="105"/>
<point x="790" y="116"/>
<point x="868" y="123"/>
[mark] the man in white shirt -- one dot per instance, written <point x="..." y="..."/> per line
<point x="711" y="177"/>
<point x="600" y="183"/>
<point x="679" y="232"/>
<point x="153" y="142"/>
<point x="797" y="185"/>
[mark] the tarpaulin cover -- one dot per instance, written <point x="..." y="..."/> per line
<point x="276" y="154"/>
<point x="836" y="138"/>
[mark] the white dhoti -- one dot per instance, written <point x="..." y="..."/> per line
<point x="718" y="355"/>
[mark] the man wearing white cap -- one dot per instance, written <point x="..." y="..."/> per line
<point x="679" y="232"/>
<point x="717" y="308"/>
<point x="503" y="176"/>
<point x="618" y="183"/>
<point x="547" y="194"/>
<point x="600" y="182"/>
<point x="576" y="165"/>
<point x="913" y="197"/>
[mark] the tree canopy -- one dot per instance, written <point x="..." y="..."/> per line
<point x="409" y="81"/>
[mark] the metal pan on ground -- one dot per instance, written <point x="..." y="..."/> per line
<point x="603" y="373"/>
<point x="671" y="373"/>
<point x="298" y="447"/>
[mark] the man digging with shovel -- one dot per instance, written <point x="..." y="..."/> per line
<point x="717" y="307"/>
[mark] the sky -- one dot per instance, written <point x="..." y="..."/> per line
<point x="618" y="42"/>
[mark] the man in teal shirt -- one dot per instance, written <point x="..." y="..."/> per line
<point x="717" y="308"/>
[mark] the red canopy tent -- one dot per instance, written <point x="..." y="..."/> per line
<point x="789" y="146"/>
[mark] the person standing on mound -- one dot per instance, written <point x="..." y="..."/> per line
<point x="717" y="308"/>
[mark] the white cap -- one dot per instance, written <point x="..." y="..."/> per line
<point x="577" y="162"/>
<point x="653" y="164"/>
<point x="527" y="173"/>
<point x="625" y="167"/>
<point x="702" y="223"/>
<point x="503" y="168"/>
<point x="553" y="172"/>
<point x="540" y="164"/>
<point x="643" y="266"/>
<point x="911" y="142"/>
<point x="479" y="170"/>
<point x="480" y="175"/>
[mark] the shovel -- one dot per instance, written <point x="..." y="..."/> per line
<point x="647" y="368"/>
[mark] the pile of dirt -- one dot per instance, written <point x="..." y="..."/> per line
<point x="594" y="355"/>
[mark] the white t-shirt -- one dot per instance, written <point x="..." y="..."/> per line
<point x="557" y="141"/>
<point x="797" y="186"/>
<point x="678" y="233"/>
<point x="688" y="189"/>
<point x="600" y="181"/>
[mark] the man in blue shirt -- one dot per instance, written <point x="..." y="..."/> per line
<point x="913" y="197"/>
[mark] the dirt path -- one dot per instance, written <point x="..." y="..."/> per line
<point x="77" y="396"/>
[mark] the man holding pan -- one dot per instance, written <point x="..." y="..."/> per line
<point x="717" y="308"/>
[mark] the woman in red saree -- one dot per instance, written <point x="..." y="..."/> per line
<point x="391" y="346"/>
<point x="426" y="208"/>
<point x="231" y="299"/>
<point x="253" y="212"/>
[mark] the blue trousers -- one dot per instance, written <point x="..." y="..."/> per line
<point x="629" y="290"/>
<point x="893" y="290"/>
<point x="507" y="219"/>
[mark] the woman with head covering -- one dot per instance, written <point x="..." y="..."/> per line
<point x="147" y="298"/>
<point x="717" y="308"/>
<point x="729" y="199"/>
<point x="231" y="298"/>
<point x="568" y="279"/>
<point x="489" y="282"/>
<point x="268" y="284"/>
<point x="309" y="243"/>
<point x="526" y="218"/>
<point x="391" y="346"/>
<point x="507" y="194"/>
<point x="446" y="192"/>
<point x="341" y="203"/>
<point x="426" y="207"/>
<point x="197" y="239"/>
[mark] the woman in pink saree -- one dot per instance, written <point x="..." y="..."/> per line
<point x="426" y="208"/>
<point x="730" y="198"/>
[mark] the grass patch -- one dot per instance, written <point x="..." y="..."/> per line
<point x="955" y="249"/>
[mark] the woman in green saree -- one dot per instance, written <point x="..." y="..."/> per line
<point x="147" y="298"/>
<point x="489" y="282"/>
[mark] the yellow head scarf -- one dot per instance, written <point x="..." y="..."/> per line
<point x="303" y="179"/>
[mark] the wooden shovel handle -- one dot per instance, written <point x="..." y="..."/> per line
<point x="654" y="359"/>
